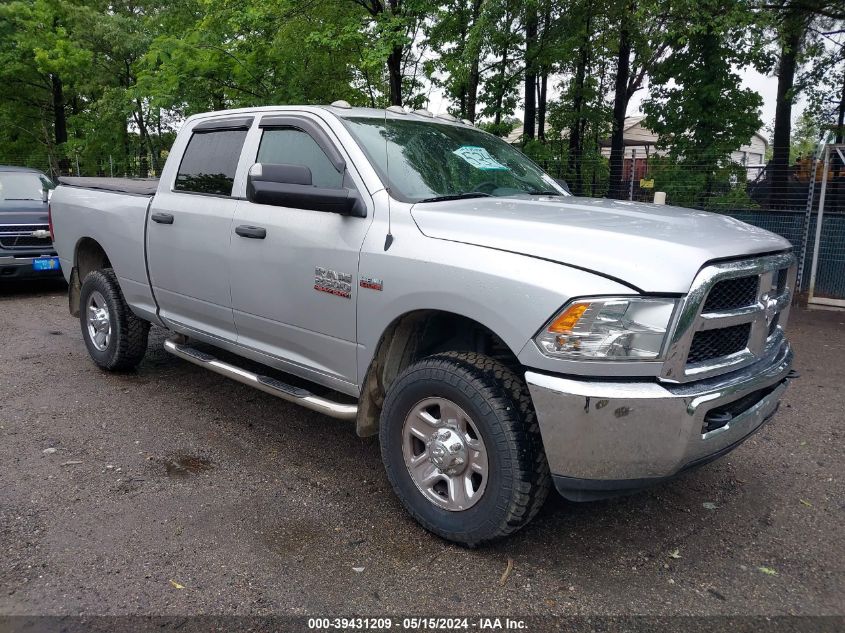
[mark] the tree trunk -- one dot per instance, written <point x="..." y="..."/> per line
<point x="530" y="73"/>
<point x="542" y="99"/>
<point x="143" y="146"/>
<point x="474" y="72"/>
<point x="621" y="97"/>
<point x="394" y="71"/>
<point x="840" y="121"/>
<point x="472" y="91"/>
<point x="60" y="122"/>
<point x="792" y="36"/>
<point x="576" y="142"/>
<point x="542" y="91"/>
<point x="127" y="152"/>
<point x="500" y="89"/>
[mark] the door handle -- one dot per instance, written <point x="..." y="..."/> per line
<point x="252" y="232"/>
<point x="162" y="218"/>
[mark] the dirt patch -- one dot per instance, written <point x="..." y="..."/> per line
<point x="184" y="465"/>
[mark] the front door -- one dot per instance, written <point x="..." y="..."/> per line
<point x="294" y="290"/>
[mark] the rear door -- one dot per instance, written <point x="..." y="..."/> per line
<point x="189" y="230"/>
<point x="294" y="291"/>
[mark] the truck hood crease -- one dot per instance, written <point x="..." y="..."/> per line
<point x="653" y="248"/>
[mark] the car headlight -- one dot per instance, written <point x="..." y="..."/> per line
<point x="608" y="328"/>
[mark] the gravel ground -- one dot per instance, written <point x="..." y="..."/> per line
<point x="174" y="491"/>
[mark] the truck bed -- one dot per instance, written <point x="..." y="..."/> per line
<point x="112" y="212"/>
<point x="131" y="186"/>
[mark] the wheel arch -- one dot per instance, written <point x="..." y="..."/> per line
<point x="417" y="334"/>
<point x="88" y="255"/>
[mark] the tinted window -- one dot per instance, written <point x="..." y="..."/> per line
<point x="210" y="161"/>
<point x="295" y="147"/>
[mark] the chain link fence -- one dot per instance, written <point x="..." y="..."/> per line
<point x="107" y="165"/>
<point x="747" y="193"/>
<point x="787" y="205"/>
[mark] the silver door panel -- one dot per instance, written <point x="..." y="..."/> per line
<point x="188" y="261"/>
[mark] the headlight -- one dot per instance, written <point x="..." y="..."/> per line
<point x="608" y="328"/>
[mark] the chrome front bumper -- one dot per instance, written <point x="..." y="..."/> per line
<point x="603" y="437"/>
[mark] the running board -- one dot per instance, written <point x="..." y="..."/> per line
<point x="274" y="387"/>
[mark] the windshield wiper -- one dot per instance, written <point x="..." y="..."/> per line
<point x="544" y="192"/>
<point x="458" y="196"/>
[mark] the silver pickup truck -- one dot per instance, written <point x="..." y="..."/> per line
<point x="430" y="283"/>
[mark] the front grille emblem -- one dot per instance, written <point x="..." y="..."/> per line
<point x="770" y="308"/>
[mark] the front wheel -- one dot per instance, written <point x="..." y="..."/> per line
<point x="115" y="337"/>
<point x="462" y="448"/>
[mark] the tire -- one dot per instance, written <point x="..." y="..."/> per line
<point x="125" y="342"/>
<point x="500" y="413"/>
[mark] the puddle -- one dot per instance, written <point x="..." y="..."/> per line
<point x="182" y="464"/>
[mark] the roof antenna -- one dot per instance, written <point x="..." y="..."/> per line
<point x="388" y="240"/>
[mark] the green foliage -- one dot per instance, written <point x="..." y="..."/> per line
<point x="696" y="104"/>
<point x="806" y="136"/>
<point x="237" y="54"/>
<point x="501" y="129"/>
<point x="105" y="85"/>
<point x="724" y="187"/>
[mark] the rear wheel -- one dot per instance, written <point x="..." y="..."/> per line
<point x="462" y="448"/>
<point x="115" y="337"/>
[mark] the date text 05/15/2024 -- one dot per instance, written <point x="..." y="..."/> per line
<point x="418" y="624"/>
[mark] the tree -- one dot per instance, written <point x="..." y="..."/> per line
<point x="499" y="89"/>
<point x="458" y="31"/>
<point x="40" y="63"/>
<point x="641" y="34"/>
<point x="395" y="23"/>
<point x="793" y="20"/>
<point x="216" y="55"/>
<point x="697" y="105"/>
<point x="799" y="41"/>
<point x="824" y="79"/>
<point x="531" y="45"/>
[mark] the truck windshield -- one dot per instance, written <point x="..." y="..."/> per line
<point x="426" y="161"/>
<point x="23" y="185"/>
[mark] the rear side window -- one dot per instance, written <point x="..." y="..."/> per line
<point x="289" y="146"/>
<point x="210" y="161"/>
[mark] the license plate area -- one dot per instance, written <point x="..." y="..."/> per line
<point x="45" y="263"/>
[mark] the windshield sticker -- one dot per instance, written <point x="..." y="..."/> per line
<point x="478" y="157"/>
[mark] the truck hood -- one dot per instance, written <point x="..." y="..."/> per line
<point x="22" y="212"/>
<point x="649" y="247"/>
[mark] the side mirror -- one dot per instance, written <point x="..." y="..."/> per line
<point x="290" y="186"/>
<point x="563" y="184"/>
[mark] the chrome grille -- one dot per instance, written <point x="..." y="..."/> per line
<point x="732" y="293"/>
<point x="711" y="344"/>
<point x="734" y="315"/>
<point x="21" y="236"/>
<point x="25" y="242"/>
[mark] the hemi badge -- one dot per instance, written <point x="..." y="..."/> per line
<point x="372" y="283"/>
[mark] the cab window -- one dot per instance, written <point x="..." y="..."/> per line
<point x="210" y="162"/>
<point x="289" y="146"/>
